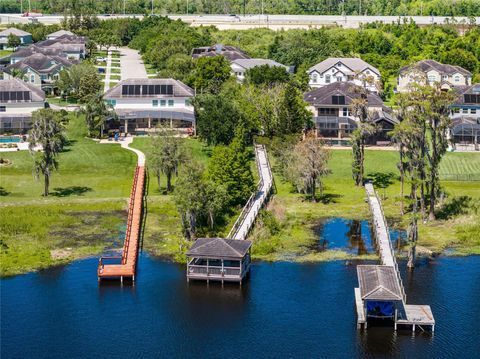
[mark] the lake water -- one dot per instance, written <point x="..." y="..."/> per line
<point x="284" y="310"/>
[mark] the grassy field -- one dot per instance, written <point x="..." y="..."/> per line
<point x="115" y="77"/>
<point x="296" y="217"/>
<point x="84" y="212"/>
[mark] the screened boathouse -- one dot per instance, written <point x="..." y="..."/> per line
<point x="218" y="259"/>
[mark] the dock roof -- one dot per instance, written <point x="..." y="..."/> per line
<point x="378" y="282"/>
<point x="219" y="248"/>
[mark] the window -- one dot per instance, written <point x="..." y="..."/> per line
<point x="339" y="78"/>
<point x="465" y="110"/>
<point x="327" y="111"/>
<point x="155" y="103"/>
<point x="3" y="108"/>
<point x="327" y="79"/>
<point x="187" y="102"/>
<point x="112" y="103"/>
<point x="338" y="100"/>
<point x="473" y="111"/>
<point x="163" y="103"/>
<point x="32" y="78"/>
<point x="171" y="103"/>
<point x="432" y="78"/>
<point x="456" y="78"/>
<point x="346" y="112"/>
<point x="314" y="78"/>
<point x="445" y="77"/>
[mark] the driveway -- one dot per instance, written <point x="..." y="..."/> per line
<point x="131" y="64"/>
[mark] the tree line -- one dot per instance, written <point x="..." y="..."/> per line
<point x="318" y="7"/>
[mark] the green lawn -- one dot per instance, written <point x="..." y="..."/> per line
<point x="115" y="70"/>
<point x="61" y="102"/>
<point x="115" y="77"/>
<point x="296" y="216"/>
<point x="5" y="53"/>
<point x="85" y="209"/>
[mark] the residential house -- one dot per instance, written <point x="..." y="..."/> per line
<point x="230" y="52"/>
<point x="39" y="70"/>
<point x="18" y="100"/>
<point x="331" y="110"/>
<point x="240" y="66"/>
<point x="343" y="69"/>
<point x="57" y="34"/>
<point x="465" y="129"/>
<point x="430" y="72"/>
<point x="142" y="104"/>
<point x="25" y="52"/>
<point x="25" y="37"/>
<point x="74" y="47"/>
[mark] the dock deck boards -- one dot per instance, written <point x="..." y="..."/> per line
<point x="359" y="305"/>
<point x="417" y="314"/>
<point x="128" y="265"/>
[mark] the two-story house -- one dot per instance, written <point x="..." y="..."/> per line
<point x="429" y="72"/>
<point x="331" y="111"/>
<point x="18" y="100"/>
<point x="231" y="53"/>
<point x="240" y="66"/>
<point x="25" y="52"/>
<point x="25" y="37"/>
<point x="142" y="104"/>
<point x="465" y="128"/>
<point x="39" y="70"/>
<point x="344" y="69"/>
<point x="72" y="46"/>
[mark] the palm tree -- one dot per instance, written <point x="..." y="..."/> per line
<point x="96" y="111"/>
<point x="47" y="132"/>
<point x="16" y="73"/>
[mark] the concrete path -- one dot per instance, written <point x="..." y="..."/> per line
<point x="131" y="64"/>
<point x="125" y="143"/>
<point x="246" y="219"/>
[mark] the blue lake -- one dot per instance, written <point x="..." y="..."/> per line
<point x="284" y="310"/>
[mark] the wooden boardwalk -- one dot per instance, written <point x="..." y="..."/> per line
<point x="245" y="221"/>
<point x="125" y="266"/>
<point x="405" y="314"/>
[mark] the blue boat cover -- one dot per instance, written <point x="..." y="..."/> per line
<point x="380" y="309"/>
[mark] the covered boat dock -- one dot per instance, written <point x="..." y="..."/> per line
<point x="219" y="259"/>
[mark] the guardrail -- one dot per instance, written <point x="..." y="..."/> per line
<point x="397" y="271"/>
<point x="248" y="206"/>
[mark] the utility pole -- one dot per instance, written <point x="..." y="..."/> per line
<point x="152" y="7"/>
<point x="124" y="6"/>
<point x="187" y="7"/>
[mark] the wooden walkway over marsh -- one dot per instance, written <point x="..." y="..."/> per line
<point x="381" y="287"/>
<point x="246" y="219"/>
<point x="125" y="266"/>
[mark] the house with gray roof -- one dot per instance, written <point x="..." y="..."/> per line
<point x="57" y="34"/>
<point x="39" y="70"/>
<point x="465" y="115"/>
<point x="142" y="104"/>
<point x="219" y="259"/>
<point x="231" y="53"/>
<point x="25" y="52"/>
<point x="74" y="47"/>
<point x="25" y="37"/>
<point x="331" y="111"/>
<point x="430" y="72"/>
<point x="240" y="66"/>
<point x="343" y="69"/>
<point x="18" y="100"/>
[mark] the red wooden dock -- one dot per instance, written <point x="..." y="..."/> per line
<point x="128" y="260"/>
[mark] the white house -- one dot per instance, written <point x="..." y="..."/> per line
<point x="431" y="72"/>
<point x="57" y="34"/>
<point x="18" y="100"/>
<point x="343" y="69"/>
<point x="141" y="104"/>
<point x="240" y="66"/>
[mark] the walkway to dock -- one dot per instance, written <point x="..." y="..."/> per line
<point x="405" y="314"/>
<point x="247" y="217"/>
<point x="126" y="264"/>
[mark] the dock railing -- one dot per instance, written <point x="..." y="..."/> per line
<point x="239" y="223"/>
<point x="397" y="271"/>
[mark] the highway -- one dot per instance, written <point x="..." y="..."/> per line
<point x="275" y="22"/>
